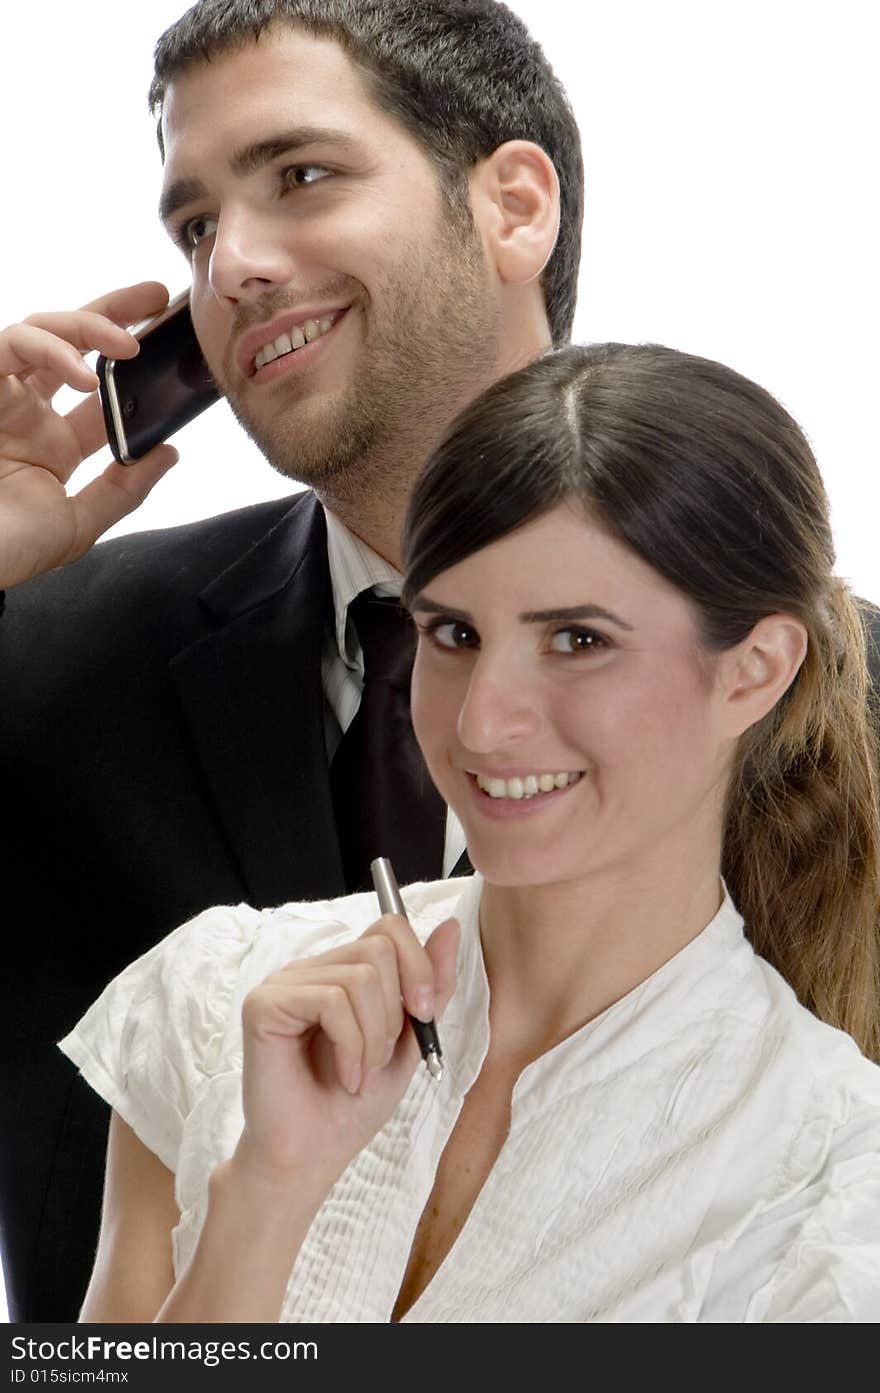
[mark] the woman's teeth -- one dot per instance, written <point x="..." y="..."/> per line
<point x="527" y="786"/>
<point x="298" y="337"/>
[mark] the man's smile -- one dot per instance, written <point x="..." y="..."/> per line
<point x="287" y="334"/>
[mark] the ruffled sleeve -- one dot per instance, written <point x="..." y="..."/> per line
<point x="151" y="1039"/>
<point x="813" y="1255"/>
<point x="830" y="1269"/>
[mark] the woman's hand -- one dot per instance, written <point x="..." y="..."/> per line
<point x="40" y="526"/>
<point x="328" y="1052"/>
<point x="318" y="1085"/>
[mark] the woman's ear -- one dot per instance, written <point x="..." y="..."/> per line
<point x="515" y="201"/>
<point x="758" y="671"/>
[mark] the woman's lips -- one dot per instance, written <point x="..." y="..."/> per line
<point x="503" y="809"/>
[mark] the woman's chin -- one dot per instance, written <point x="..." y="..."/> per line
<point x="504" y="866"/>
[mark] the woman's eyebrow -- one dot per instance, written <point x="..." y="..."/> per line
<point x="533" y="616"/>
<point x="421" y="602"/>
<point x="546" y="616"/>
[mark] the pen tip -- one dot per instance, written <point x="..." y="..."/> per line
<point x="434" y="1067"/>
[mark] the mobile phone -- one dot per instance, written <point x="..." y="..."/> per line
<point x="147" y="398"/>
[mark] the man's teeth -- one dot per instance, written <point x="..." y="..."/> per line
<point x="299" y="336"/>
<point x="527" y="786"/>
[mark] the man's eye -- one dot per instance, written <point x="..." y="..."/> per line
<point x="299" y="174"/>
<point x="195" y="231"/>
<point x="450" y="633"/>
<point x="577" y="641"/>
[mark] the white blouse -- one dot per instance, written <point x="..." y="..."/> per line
<point x="704" y="1150"/>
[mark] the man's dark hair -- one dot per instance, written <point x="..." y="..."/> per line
<point x="461" y="76"/>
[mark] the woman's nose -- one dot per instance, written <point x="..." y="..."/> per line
<point x="501" y="707"/>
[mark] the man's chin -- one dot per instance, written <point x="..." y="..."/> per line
<point x="324" y="453"/>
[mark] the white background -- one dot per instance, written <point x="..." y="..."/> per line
<point x="731" y="157"/>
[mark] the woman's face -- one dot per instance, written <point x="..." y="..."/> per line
<point x="564" y="706"/>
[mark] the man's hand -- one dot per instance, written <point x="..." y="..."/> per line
<point x="40" y="525"/>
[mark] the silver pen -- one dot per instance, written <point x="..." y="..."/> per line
<point x="390" y="902"/>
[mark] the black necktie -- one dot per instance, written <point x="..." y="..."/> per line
<point x="383" y="799"/>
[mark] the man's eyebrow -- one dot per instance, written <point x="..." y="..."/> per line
<point x="262" y="152"/>
<point x="532" y="616"/>
<point x="253" y="157"/>
<point x="178" y="195"/>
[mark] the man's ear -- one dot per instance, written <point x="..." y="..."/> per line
<point x="758" y="671"/>
<point x="515" y="201"/>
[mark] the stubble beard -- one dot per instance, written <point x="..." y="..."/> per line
<point x="431" y="344"/>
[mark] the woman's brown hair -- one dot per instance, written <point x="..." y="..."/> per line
<point x="712" y="483"/>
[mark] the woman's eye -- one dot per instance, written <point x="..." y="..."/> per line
<point x="576" y="641"/>
<point x="196" y="230"/>
<point x="299" y="174"/>
<point x="451" y="633"/>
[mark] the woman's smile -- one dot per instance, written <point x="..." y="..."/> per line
<point x="520" y="795"/>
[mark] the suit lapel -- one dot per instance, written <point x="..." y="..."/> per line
<point x="251" y="692"/>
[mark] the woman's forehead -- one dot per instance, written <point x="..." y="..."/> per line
<point x="565" y="557"/>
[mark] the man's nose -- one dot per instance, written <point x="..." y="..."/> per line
<point x="501" y="707"/>
<point x="247" y="258"/>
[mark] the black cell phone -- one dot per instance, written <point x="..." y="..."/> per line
<point x="147" y="398"/>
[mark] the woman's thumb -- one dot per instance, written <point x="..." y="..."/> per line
<point x="442" y="949"/>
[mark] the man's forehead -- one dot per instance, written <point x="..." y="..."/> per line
<point x="237" y="105"/>
<point x="305" y="73"/>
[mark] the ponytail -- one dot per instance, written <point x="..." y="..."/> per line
<point x="802" y="832"/>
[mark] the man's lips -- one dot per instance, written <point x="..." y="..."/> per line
<point x="255" y="339"/>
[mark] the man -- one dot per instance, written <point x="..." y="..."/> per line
<point x="402" y="184"/>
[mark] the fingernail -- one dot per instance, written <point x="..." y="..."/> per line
<point x="354" y="1079"/>
<point x="424" y="1003"/>
<point x="392" y="1046"/>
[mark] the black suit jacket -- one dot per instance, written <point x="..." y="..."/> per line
<point x="162" y="749"/>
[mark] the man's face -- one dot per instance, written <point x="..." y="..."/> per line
<point x="311" y="218"/>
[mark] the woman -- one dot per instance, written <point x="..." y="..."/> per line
<point x="635" y="672"/>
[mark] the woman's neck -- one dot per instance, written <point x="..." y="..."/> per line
<point x="558" y="955"/>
